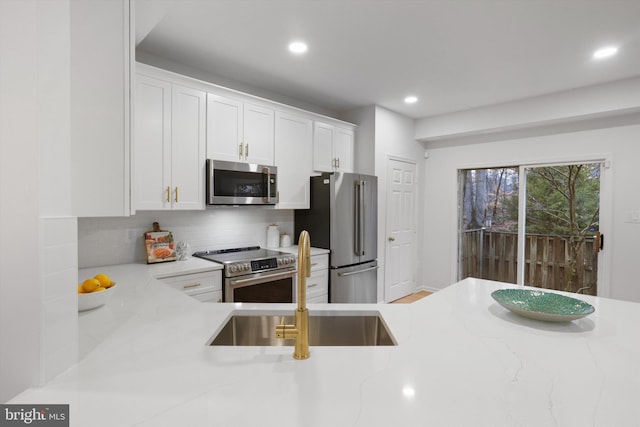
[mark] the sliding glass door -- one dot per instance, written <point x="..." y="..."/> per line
<point x="536" y="225"/>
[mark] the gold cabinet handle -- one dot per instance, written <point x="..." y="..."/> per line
<point x="313" y="285"/>
<point x="391" y="239"/>
<point x="194" y="285"/>
<point x="176" y="194"/>
<point x="168" y="194"/>
<point x="246" y="151"/>
<point x="240" y="152"/>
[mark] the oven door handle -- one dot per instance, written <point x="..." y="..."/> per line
<point x="262" y="279"/>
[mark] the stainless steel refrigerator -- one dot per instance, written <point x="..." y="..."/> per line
<point x="343" y="218"/>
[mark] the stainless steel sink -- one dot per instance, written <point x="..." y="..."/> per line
<point x="325" y="329"/>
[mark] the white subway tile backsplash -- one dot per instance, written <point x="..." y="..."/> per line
<point x="59" y="278"/>
<point x="60" y="323"/>
<point x="59" y="258"/>
<point x="107" y="241"/>
<point x="59" y="230"/>
<point x="61" y="283"/>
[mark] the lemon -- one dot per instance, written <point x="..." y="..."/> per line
<point x="90" y="285"/>
<point x="105" y="281"/>
<point x="99" y="289"/>
<point x="81" y="289"/>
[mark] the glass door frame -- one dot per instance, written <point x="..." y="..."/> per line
<point x="606" y="203"/>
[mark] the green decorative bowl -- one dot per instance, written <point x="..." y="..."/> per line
<point x="541" y="305"/>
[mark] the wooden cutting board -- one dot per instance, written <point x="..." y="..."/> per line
<point x="159" y="244"/>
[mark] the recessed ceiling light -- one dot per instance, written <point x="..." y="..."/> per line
<point x="298" y="47"/>
<point x="605" y="52"/>
<point x="411" y="99"/>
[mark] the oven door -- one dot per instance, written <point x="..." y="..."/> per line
<point x="261" y="287"/>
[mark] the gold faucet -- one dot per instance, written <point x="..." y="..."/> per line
<point x="300" y="331"/>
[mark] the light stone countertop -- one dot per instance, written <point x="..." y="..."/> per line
<point x="461" y="360"/>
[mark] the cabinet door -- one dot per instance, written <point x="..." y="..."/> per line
<point x="224" y="128"/>
<point x="100" y="61"/>
<point x="293" y="157"/>
<point x="152" y="144"/>
<point x="258" y="134"/>
<point x="343" y="150"/>
<point x="323" y="136"/>
<point x="187" y="148"/>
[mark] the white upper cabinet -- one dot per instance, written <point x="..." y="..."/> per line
<point x="188" y="145"/>
<point x="100" y="65"/>
<point x="169" y="142"/>
<point x="293" y="157"/>
<point x="239" y="131"/>
<point x="343" y="149"/>
<point x="179" y="122"/>
<point x="323" y="140"/>
<point x="258" y="134"/>
<point x="224" y="128"/>
<point x="151" y="141"/>
<point x="332" y="148"/>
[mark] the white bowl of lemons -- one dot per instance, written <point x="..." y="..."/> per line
<point x="95" y="292"/>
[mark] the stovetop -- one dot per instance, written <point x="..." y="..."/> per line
<point x="251" y="253"/>
<point x="249" y="260"/>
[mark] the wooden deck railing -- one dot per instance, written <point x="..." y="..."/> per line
<point x="548" y="261"/>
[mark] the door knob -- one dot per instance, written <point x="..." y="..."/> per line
<point x="391" y="239"/>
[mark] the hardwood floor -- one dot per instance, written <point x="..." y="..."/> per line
<point x="411" y="298"/>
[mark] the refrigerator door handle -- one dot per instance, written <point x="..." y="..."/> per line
<point x="351" y="273"/>
<point x="363" y="226"/>
<point x="356" y="219"/>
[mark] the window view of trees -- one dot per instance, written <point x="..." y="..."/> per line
<point x="490" y="199"/>
<point x="562" y="216"/>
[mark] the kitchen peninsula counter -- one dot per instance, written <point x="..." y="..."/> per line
<point x="461" y="360"/>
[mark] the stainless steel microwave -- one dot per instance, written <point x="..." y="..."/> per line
<point x="235" y="183"/>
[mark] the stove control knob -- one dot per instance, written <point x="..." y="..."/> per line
<point x="246" y="267"/>
<point x="233" y="268"/>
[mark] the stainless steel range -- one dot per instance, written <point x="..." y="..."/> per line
<point x="254" y="274"/>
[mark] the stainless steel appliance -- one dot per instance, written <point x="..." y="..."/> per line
<point x="253" y="274"/>
<point x="343" y="218"/>
<point x="234" y="183"/>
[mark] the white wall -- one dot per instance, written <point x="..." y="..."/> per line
<point x="38" y="308"/>
<point x="365" y="138"/>
<point x="621" y="141"/>
<point x="108" y="241"/>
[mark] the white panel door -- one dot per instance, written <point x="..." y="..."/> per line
<point x="258" y="134"/>
<point x="152" y="144"/>
<point x="224" y="128"/>
<point x="400" y="254"/>
<point x="323" y="137"/>
<point x="343" y="150"/>
<point x="293" y="141"/>
<point x="187" y="148"/>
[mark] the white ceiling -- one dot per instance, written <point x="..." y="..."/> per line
<point x="452" y="54"/>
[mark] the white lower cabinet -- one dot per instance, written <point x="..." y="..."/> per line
<point x="318" y="282"/>
<point x="205" y="287"/>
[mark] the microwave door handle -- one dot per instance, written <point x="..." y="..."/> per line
<point x="267" y="173"/>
